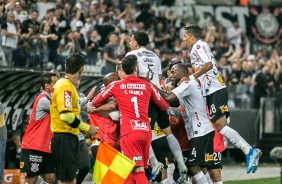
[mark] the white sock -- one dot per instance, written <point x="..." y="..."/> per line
<point x="235" y="139"/>
<point x="200" y="178"/>
<point x="208" y="178"/>
<point x="176" y="151"/>
<point x="218" y="182"/>
<point x="170" y="170"/>
<point x="152" y="157"/>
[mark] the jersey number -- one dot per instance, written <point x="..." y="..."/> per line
<point x="135" y="104"/>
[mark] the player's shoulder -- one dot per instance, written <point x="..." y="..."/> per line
<point x="199" y="45"/>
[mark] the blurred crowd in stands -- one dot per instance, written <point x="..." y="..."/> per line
<point x="101" y="29"/>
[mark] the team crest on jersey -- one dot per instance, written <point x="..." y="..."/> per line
<point x="21" y="165"/>
<point x="67" y="99"/>
<point x="223" y="108"/>
<point x="198" y="46"/>
<point x="208" y="157"/>
<point x="34" y="167"/>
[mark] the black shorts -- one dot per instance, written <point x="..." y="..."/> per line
<point x="217" y="104"/>
<point x="34" y="163"/>
<point x="64" y="148"/>
<point x="201" y="150"/>
<point x="161" y="150"/>
<point x="216" y="163"/>
<point x="158" y="115"/>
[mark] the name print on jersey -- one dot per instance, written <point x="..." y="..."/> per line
<point x="134" y="89"/>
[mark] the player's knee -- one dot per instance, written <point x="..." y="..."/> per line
<point x="195" y="170"/>
<point x="50" y="178"/>
<point x="215" y="175"/>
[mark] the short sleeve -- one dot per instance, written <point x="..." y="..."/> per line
<point x="182" y="90"/>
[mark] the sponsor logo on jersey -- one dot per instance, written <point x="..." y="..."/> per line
<point x="122" y="86"/>
<point x="158" y="131"/>
<point x="223" y="108"/>
<point x="136" y="125"/>
<point x="35" y="158"/>
<point x="220" y="80"/>
<point x="137" y="158"/>
<point x="67" y="99"/>
<point x="198" y="46"/>
<point x="208" y="157"/>
<point x="21" y="165"/>
<point x="34" y="167"/>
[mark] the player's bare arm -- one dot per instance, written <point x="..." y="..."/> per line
<point x="205" y="68"/>
<point x="171" y="98"/>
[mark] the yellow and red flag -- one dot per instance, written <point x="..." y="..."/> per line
<point x="111" y="166"/>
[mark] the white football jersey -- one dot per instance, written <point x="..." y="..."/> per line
<point x="200" y="55"/>
<point x="193" y="109"/>
<point x="148" y="63"/>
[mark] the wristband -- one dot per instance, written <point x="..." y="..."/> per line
<point x="83" y="127"/>
<point x="191" y="77"/>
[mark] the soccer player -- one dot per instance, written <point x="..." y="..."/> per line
<point x="198" y="126"/>
<point x="65" y="123"/>
<point x="149" y="67"/>
<point x="215" y="92"/>
<point x="133" y="95"/>
<point x="36" y="158"/>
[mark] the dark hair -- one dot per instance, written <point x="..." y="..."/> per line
<point x="45" y="78"/>
<point x="194" y="30"/>
<point x="129" y="63"/>
<point x="35" y="10"/>
<point x="141" y="38"/>
<point x="74" y="62"/>
<point x="171" y="63"/>
<point x="182" y="68"/>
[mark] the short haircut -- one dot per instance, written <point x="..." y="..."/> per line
<point x="194" y="30"/>
<point x="74" y="62"/>
<point x="46" y="78"/>
<point x="129" y="63"/>
<point x="171" y="63"/>
<point x="182" y="68"/>
<point x="141" y="38"/>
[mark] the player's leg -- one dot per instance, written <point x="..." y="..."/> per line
<point x="136" y="147"/>
<point x="215" y="168"/>
<point x="65" y="153"/>
<point x="29" y="165"/>
<point x="48" y="168"/>
<point x="174" y="146"/>
<point x="215" y="175"/>
<point x="217" y="103"/>
<point x="206" y="173"/>
<point x="83" y="162"/>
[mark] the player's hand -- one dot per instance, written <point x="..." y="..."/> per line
<point x="93" y="130"/>
<point x="182" y="80"/>
<point x="91" y="93"/>
<point x="91" y="109"/>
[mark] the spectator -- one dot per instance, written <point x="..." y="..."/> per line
<point x="234" y="35"/>
<point x="111" y="53"/>
<point x="260" y="86"/>
<point x="10" y="33"/>
<point x="92" y="47"/>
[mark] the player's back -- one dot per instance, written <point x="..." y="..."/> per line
<point x="133" y="95"/>
<point x="194" y="111"/>
<point x="148" y="63"/>
<point x="200" y="55"/>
